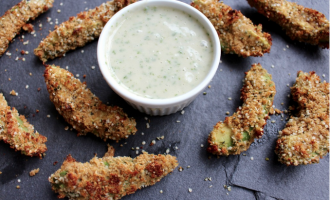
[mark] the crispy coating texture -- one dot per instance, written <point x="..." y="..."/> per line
<point x="14" y="19"/>
<point x="237" y="33"/>
<point x="83" y="110"/>
<point x="238" y="131"/>
<point x="18" y="133"/>
<point x="300" y="23"/>
<point x="78" y="31"/>
<point x="305" y="138"/>
<point x="110" y="177"/>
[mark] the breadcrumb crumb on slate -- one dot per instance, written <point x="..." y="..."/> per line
<point x="238" y="131"/>
<point x="16" y="18"/>
<point x="236" y="32"/>
<point x="300" y="23"/>
<point x="83" y="110"/>
<point x="110" y="177"/>
<point x="18" y="133"/>
<point x="78" y="31"/>
<point x="305" y="138"/>
<point x="34" y="172"/>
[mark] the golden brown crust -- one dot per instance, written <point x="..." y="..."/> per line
<point x="110" y="177"/>
<point x="238" y="131"/>
<point x="83" y="110"/>
<point x="300" y="23"/>
<point x="237" y="33"/>
<point x="78" y="31"/>
<point x="18" y="133"/>
<point x="15" y="19"/>
<point x="305" y="139"/>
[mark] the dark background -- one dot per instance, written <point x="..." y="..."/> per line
<point x="249" y="179"/>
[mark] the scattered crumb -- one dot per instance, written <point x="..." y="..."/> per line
<point x="34" y="172"/>
<point x="227" y="113"/>
<point x="277" y="111"/>
<point x="190" y="190"/>
<point x="251" y="158"/>
<point x="18" y="187"/>
<point x="28" y="28"/>
<point x="267" y="158"/>
<point x="13" y="93"/>
<point x="180" y="169"/>
<point x="161" y="191"/>
<point x="153" y="142"/>
<point x="55" y="163"/>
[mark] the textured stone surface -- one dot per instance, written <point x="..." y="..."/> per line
<point x="257" y="179"/>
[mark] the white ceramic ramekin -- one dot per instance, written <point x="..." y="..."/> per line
<point x="158" y="106"/>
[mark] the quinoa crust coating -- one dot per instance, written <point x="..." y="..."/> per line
<point x="236" y="32"/>
<point x="14" y="19"/>
<point x="83" y="110"/>
<point x="305" y="138"/>
<point x="18" y="133"/>
<point x="238" y="131"/>
<point x="78" y="31"/>
<point x="110" y="177"/>
<point x="300" y="23"/>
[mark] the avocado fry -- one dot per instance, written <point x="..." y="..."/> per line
<point x="236" y="32"/>
<point x="238" y="131"/>
<point x="110" y="177"/>
<point x="300" y="23"/>
<point x="18" y="133"/>
<point x="83" y="110"/>
<point x="78" y="31"/>
<point x="14" y="19"/>
<point x="305" y="138"/>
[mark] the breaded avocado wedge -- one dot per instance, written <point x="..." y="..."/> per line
<point x="83" y="110"/>
<point x="78" y="31"/>
<point x="238" y="131"/>
<point x="110" y="177"/>
<point x="300" y="23"/>
<point x="14" y="19"/>
<point x="305" y="138"/>
<point x="236" y="32"/>
<point x="18" y="133"/>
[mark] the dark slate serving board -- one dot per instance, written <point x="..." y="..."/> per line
<point x="249" y="179"/>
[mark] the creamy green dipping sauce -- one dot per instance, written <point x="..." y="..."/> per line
<point x="159" y="52"/>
